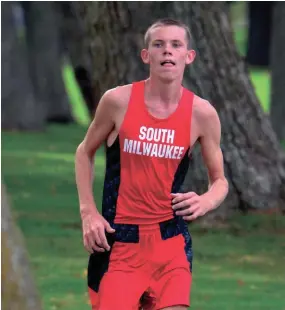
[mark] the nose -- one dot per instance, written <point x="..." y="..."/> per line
<point x="167" y="49"/>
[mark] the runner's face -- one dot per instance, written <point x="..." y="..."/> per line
<point x="167" y="53"/>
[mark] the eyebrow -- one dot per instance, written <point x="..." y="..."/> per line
<point x="175" y="40"/>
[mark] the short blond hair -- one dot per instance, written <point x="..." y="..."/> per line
<point x="167" y="22"/>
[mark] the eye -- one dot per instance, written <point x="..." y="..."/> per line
<point x="176" y="44"/>
<point x="157" y="44"/>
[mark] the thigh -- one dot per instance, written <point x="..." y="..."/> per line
<point x="120" y="290"/>
<point x="171" y="286"/>
<point x="174" y="289"/>
<point x="124" y="282"/>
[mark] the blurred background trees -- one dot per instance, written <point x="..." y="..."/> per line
<point x="32" y="57"/>
<point x="102" y="40"/>
<point x="58" y="58"/>
<point x="218" y="74"/>
<point x="277" y="61"/>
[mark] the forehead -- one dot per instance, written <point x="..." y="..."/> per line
<point x="168" y="33"/>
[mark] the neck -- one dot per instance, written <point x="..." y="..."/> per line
<point x="165" y="92"/>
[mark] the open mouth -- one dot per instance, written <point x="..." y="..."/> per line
<point x="167" y="63"/>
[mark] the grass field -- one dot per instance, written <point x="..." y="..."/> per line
<point x="234" y="269"/>
<point x="261" y="78"/>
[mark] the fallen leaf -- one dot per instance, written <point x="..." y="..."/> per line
<point x="240" y="282"/>
<point x="53" y="189"/>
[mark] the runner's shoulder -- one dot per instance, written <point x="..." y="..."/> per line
<point x="117" y="97"/>
<point x="203" y="110"/>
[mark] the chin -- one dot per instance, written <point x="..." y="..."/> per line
<point x="168" y="78"/>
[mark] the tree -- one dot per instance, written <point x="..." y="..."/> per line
<point x="33" y="91"/>
<point x="46" y="59"/>
<point x="18" y="287"/>
<point x="252" y="154"/>
<point x="76" y="47"/>
<point x="20" y="109"/>
<point x="277" y="110"/>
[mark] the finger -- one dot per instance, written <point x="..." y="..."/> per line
<point x="194" y="208"/>
<point x="89" y="243"/>
<point x="185" y="203"/>
<point x="188" y="211"/>
<point x="87" y="246"/>
<point x="183" y="212"/>
<point x="103" y="239"/>
<point x="191" y="217"/>
<point x="182" y="196"/>
<point x="108" y="228"/>
<point x="193" y="200"/>
<point x="96" y="237"/>
<point x="175" y="197"/>
<point x="180" y="205"/>
<point x="97" y="248"/>
<point x="95" y="242"/>
<point x="188" y="194"/>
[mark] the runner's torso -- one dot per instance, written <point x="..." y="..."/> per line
<point x="148" y="161"/>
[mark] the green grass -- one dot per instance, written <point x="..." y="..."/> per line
<point x="239" y="268"/>
<point x="260" y="78"/>
<point x="234" y="269"/>
<point x="38" y="169"/>
<point x="76" y="99"/>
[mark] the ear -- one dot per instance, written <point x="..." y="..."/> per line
<point x="190" y="57"/>
<point x="145" y="56"/>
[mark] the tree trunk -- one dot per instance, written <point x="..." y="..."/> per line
<point x="20" y="110"/>
<point x="251" y="151"/>
<point x="45" y="55"/>
<point x="75" y="45"/>
<point x="277" y="109"/>
<point x="114" y="31"/>
<point x="18" y="287"/>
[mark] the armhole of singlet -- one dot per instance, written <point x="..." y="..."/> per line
<point x="137" y="94"/>
<point x="189" y="106"/>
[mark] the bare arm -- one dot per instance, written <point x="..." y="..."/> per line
<point x="94" y="225"/>
<point x="97" y="133"/>
<point x="190" y="205"/>
<point x="213" y="158"/>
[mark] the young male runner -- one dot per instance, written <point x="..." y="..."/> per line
<point x="140" y="245"/>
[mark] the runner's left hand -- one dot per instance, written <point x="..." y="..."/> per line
<point x="190" y="205"/>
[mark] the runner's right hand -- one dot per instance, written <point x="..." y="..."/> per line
<point x="94" y="226"/>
